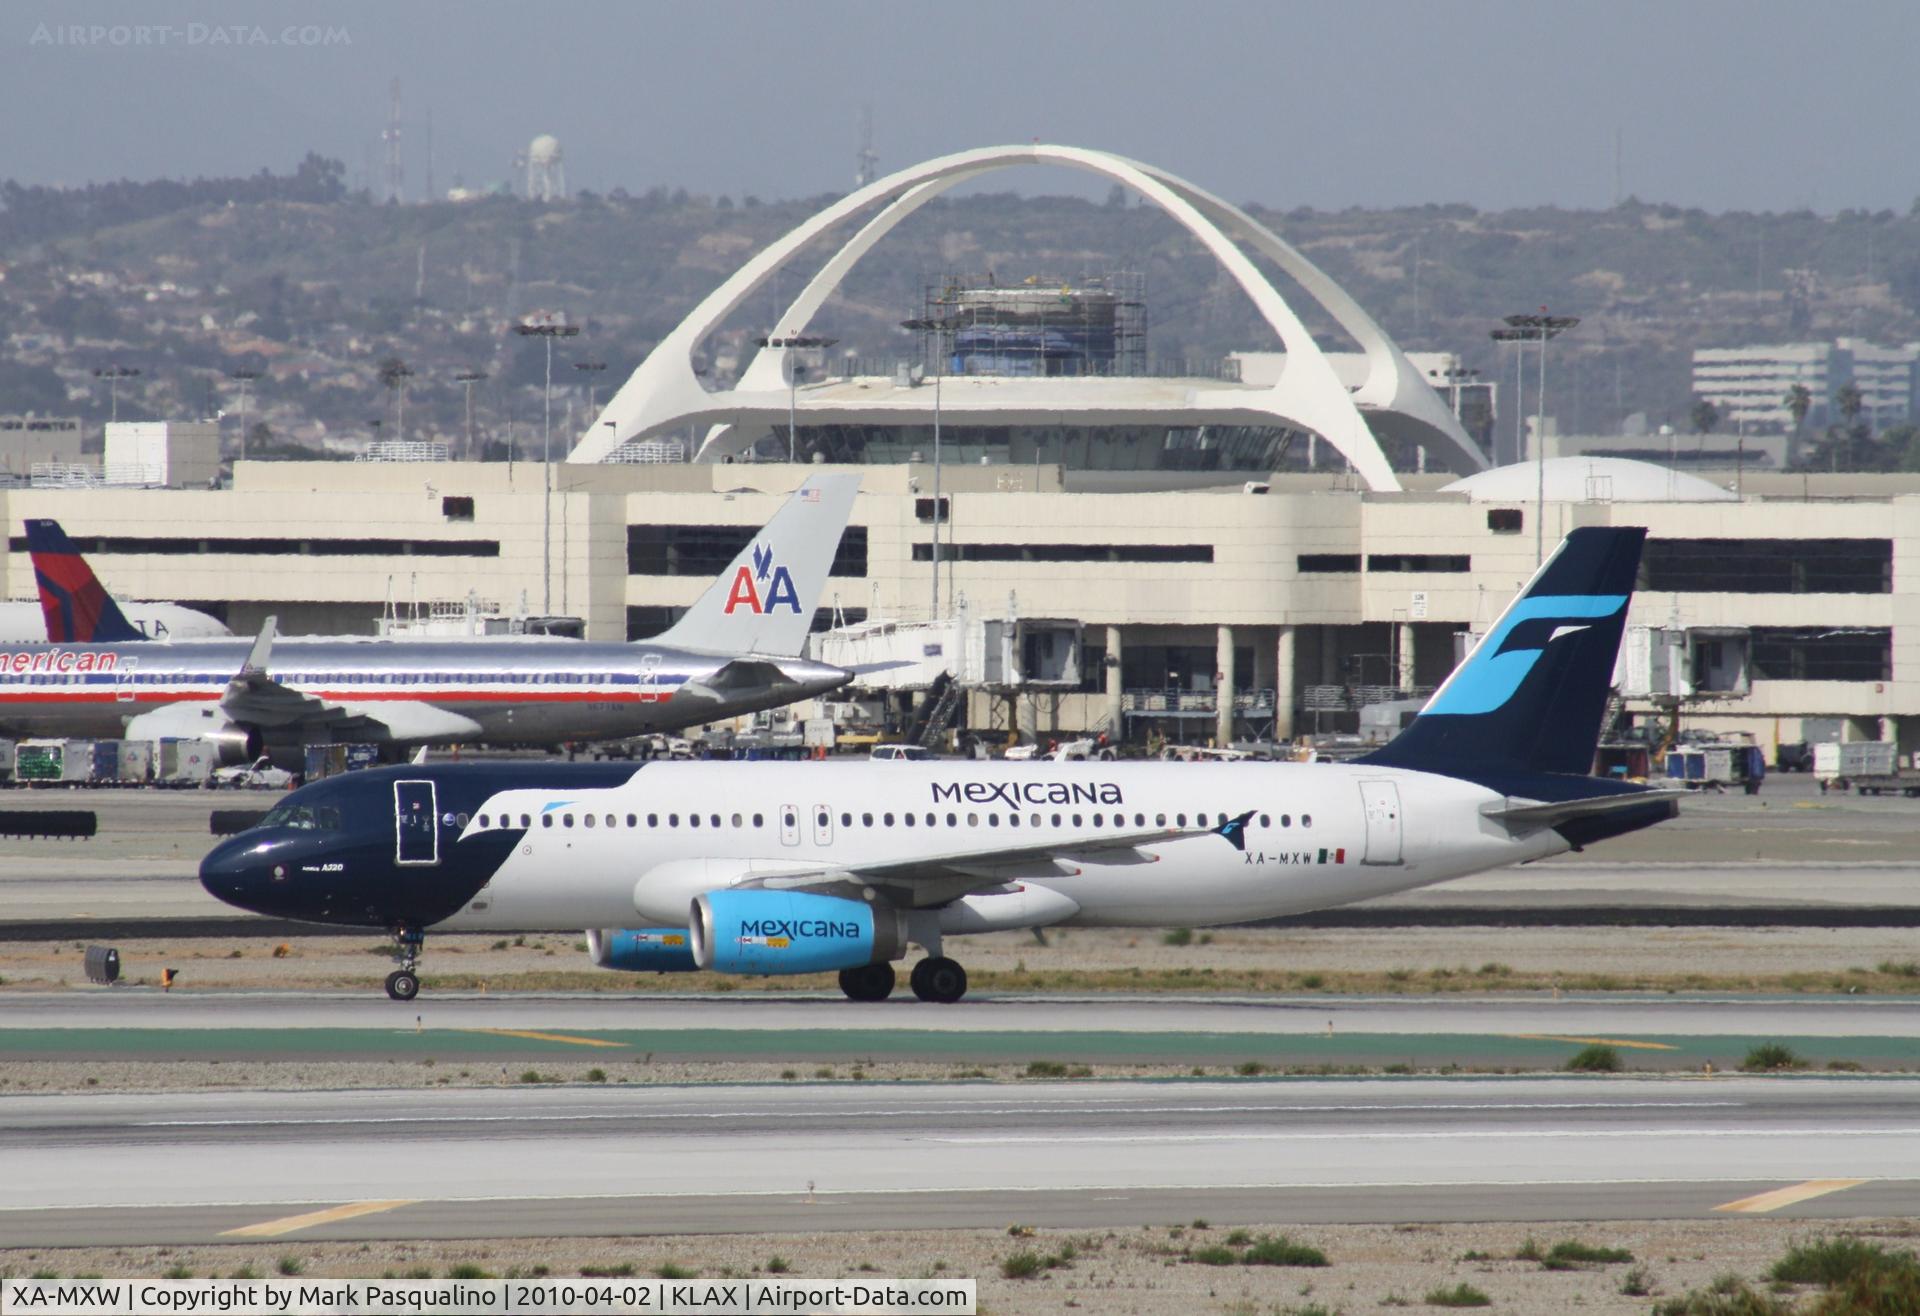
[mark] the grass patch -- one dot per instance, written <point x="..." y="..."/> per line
<point x="622" y="1271"/>
<point x="1568" y="1254"/>
<point x="1831" y="1262"/>
<point x="1462" y="1294"/>
<point x="1636" y="1283"/>
<point x="1727" y="1296"/>
<point x="176" y="1272"/>
<point x="1771" y="1058"/>
<point x="596" y="1075"/>
<point x="668" y="1270"/>
<point x="1595" y="1059"/>
<point x="291" y="1265"/>
<point x="467" y="1270"/>
<point x="1177" y="937"/>
<point x="1022" y="1265"/>
<point x="1279" y="1250"/>
<point x="1249" y="1069"/>
<point x="1215" y="1254"/>
<point x="778" y="1265"/>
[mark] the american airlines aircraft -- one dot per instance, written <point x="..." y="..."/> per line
<point x="775" y="868"/>
<point x="734" y="652"/>
<point x="74" y="605"/>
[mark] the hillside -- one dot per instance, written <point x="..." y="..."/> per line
<point x="293" y="276"/>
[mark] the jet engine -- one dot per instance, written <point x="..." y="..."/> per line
<point x="641" y="950"/>
<point x="233" y="743"/>
<point x="772" y="932"/>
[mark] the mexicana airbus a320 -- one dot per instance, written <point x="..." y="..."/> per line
<point x="779" y="868"/>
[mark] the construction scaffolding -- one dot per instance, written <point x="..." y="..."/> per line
<point x="1043" y="325"/>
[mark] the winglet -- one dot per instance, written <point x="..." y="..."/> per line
<point x="262" y="650"/>
<point x="1235" y="830"/>
<point x="77" y="606"/>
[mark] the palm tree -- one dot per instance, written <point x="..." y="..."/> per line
<point x="394" y="375"/>
<point x="1705" y="416"/>
<point x="1798" y="401"/>
<point x="1850" y="400"/>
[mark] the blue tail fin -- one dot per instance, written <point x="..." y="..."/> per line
<point x="1530" y="697"/>
<point x="77" y="606"/>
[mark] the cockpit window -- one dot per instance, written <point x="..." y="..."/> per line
<point x="303" y="817"/>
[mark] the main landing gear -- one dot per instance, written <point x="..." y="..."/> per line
<point x="403" y="984"/>
<point x="939" y="979"/>
<point x="936" y="978"/>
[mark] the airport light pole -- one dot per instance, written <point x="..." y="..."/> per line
<point x="468" y="378"/>
<point x="934" y="327"/>
<point x="548" y="327"/>
<point x="113" y="375"/>
<point x="245" y="376"/>
<point x="591" y="369"/>
<point x="1539" y="327"/>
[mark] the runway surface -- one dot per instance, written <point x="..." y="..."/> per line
<point x="505" y="1162"/>
<point x="1670" y="1032"/>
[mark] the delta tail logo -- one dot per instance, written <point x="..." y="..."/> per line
<point x="763" y="587"/>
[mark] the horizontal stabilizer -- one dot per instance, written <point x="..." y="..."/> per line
<point x="1532" y="817"/>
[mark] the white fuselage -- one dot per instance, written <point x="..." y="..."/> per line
<point x="1321" y="835"/>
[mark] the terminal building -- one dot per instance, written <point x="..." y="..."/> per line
<point x="1251" y="552"/>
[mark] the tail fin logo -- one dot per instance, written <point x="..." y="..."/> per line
<point x="762" y="588"/>
<point x="1491" y="675"/>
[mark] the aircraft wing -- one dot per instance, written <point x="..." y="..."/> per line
<point x="255" y="698"/>
<point x="930" y="880"/>
<point x="1529" y="817"/>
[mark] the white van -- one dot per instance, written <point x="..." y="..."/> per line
<point x="902" y="753"/>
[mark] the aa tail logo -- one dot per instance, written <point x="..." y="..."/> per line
<point x="762" y="588"/>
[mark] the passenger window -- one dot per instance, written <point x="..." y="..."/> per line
<point x="612" y="821"/>
<point x="714" y="819"/>
<point x="546" y="820"/>
<point x="1140" y="820"/>
<point x="1180" y="819"/>
<point x="993" y="820"/>
<point x="736" y="820"/>
<point x="820" y="819"/>
<point x="973" y="820"/>
<point x="587" y="820"/>
<point x="866" y="820"/>
<point x="693" y="820"/>
<point x="483" y="820"/>
<point x="907" y="818"/>
<point x="1159" y="820"/>
<point x="1034" y="820"/>
<point x="953" y="820"/>
<point x="1286" y="820"/>
<point x="759" y="820"/>
<point x="1096" y="818"/>
<point x="887" y="818"/>
<point x="632" y="821"/>
<point x="1056" y="820"/>
<point x="566" y="819"/>
<point x="1013" y="820"/>
<point x="673" y="820"/>
<point x="846" y="820"/>
<point x="1306" y="820"/>
<point x="460" y="820"/>
<point x="653" y="820"/>
<point x="525" y="821"/>
<point x="1076" y="821"/>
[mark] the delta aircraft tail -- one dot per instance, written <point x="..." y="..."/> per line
<point x="763" y="603"/>
<point x="1529" y="699"/>
<point x="77" y="606"/>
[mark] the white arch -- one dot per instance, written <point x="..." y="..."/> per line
<point x="664" y="392"/>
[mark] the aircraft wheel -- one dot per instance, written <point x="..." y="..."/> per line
<point x="869" y="982"/>
<point x="940" y="980"/>
<point x="402" y="985"/>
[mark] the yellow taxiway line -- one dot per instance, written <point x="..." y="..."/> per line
<point x="332" y="1215"/>
<point x="1594" y="1041"/>
<point x="542" y="1037"/>
<point x="1761" y="1203"/>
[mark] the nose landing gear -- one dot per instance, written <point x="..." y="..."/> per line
<point x="403" y="984"/>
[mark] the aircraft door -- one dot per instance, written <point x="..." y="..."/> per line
<point x="822" y="825"/>
<point x="789" y="824"/>
<point x="123" y="680"/>
<point x="415" y="823"/>
<point x="1381" y="801"/>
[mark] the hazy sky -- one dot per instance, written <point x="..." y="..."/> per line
<point x="1723" y="104"/>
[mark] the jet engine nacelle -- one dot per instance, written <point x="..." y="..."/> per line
<point x="641" y="950"/>
<point x="233" y="743"/>
<point x="771" y="932"/>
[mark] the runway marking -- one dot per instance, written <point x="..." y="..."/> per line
<point x="332" y="1215"/>
<point x="584" y="1116"/>
<point x="1593" y="1041"/>
<point x="1761" y="1203"/>
<point x="542" y="1037"/>
<point x="1401" y="1135"/>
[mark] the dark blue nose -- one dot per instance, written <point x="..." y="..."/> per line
<point x="246" y="870"/>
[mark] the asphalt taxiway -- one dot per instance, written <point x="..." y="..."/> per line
<point x="1674" y="1032"/>
<point x="501" y="1162"/>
